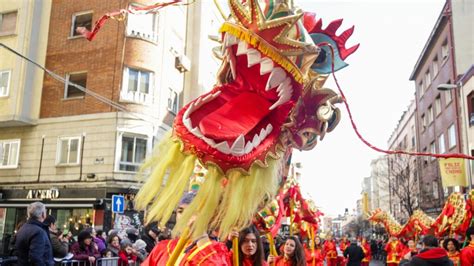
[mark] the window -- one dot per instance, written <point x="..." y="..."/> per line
<point x="470" y="108"/>
<point x="143" y="26"/>
<point x="442" y="147"/>
<point x="444" y="51"/>
<point x="173" y="101"/>
<point x="8" y="23"/>
<point x="10" y="151"/>
<point x="413" y="142"/>
<point x="79" y="79"/>
<point x="4" y="82"/>
<point x="451" y="136"/>
<point x="449" y="96"/>
<point x="83" y="19"/>
<point x="435" y="67"/>
<point x="427" y="78"/>
<point x="438" y="105"/>
<point x="425" y="160"/>
<point x="421" y="89"/>
<point x="430" y="114"/>
<point x="133" y="152"/>
<point x="68" y="150"/>
<point x="435" y="190"/>
<point x="424" y="122"/>
<point x="433" y="149"/>
<point x="137" y="85"/>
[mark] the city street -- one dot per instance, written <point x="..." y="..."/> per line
<point x="232" y="132"/>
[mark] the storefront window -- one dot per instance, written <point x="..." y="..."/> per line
<point x="74" y="220"/>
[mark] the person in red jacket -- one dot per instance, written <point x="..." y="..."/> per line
<point x="126" y="255"/>
<point x="451" y="245"/>
<point x="467" y="253"/>
<point x="330" y="251"/>
<point x="315" y="257"/>
<point x="394" y="250"/>
<point x="367" y="252"/>
<point x="431" y="254"/>
<point x="293" y="254"/>
<point x="343" y="245"/>
<point x="201" y="250"/>
<point x="410" y="251"/>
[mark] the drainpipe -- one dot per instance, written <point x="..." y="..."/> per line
<point x="41" y="158"/>
<point x="82" y="155"/>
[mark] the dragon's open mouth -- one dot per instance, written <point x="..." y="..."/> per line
<point x="244" y="115"/>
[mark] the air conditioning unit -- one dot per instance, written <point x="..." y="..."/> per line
<point x="182" y="63"/>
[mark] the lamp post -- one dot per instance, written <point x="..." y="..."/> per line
<point x="448" y="87"/>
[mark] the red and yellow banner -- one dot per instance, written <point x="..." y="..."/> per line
<point x="453" y="172"/>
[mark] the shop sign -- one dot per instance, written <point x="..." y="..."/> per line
<point x="52" y="193"/>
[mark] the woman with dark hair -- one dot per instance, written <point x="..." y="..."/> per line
<point x="250" y="248"/>
<point x="113" y="244"/>
<point x="293" y="254"/>
<point x="84" y="249"/>
<point x="452" y="246"/>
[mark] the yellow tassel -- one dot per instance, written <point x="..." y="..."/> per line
<point x="263" y="47"/>
<point x="203" y="206"/>
<point x="175" y="187"/>
<point x="167" y="152"/>
<point x="244" y="194"/>
<point x="223" y="208"/>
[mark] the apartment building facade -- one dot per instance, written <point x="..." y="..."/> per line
<point x="403" y="170"/>
<point x="74" y="150"/>
<point x="24" y="27"/>
<point x="437" y="116"/>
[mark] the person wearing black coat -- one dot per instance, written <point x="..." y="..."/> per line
<point x="431" y="254"/>
<point x="354" y="253"/>
<point x="150" y="237"/>
<point x="32" y="240"/>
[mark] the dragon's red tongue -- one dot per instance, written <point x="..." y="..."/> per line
<point x="236" y="117"/>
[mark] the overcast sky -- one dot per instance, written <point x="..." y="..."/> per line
<point x="391" y="36"/>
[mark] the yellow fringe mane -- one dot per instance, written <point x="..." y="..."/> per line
<point x="216" y="206"/>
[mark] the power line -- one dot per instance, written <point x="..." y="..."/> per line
<point x="77" y="86"/>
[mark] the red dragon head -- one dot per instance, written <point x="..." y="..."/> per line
<point x="265" y="79"/>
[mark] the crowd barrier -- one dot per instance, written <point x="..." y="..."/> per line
<point x="99" y="262"/>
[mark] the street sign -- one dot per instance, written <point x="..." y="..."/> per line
<point x="118" y="203"/>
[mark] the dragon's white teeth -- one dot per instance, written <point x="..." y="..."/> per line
<point x="188" y="111"/>
<point x="284" y="85"/>
<point x="197" y="102"/>
<point x="283" y="99"/>
<point x="230" y="40"/>
<point x="207" y="98"/>
<point x="248" y="147"/>
<point x="277" y="76"/>
<point x="197" y="132"/>
<point x="266" y="65"/>
<point x="187" y="123"/>
<point x="256" y="140"/>
<point x="269" y="129"/>
<point x="223" y="147"/>
<point x="263" y="134"/>
<point x="209" y="141"/>
<point x="238" y="147"/>
<point x="242" y="48"/>
<point x="253" y="57"/>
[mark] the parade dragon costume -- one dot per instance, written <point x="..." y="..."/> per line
<point x="455" y="218"/>
<point x="268" y="99"/>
